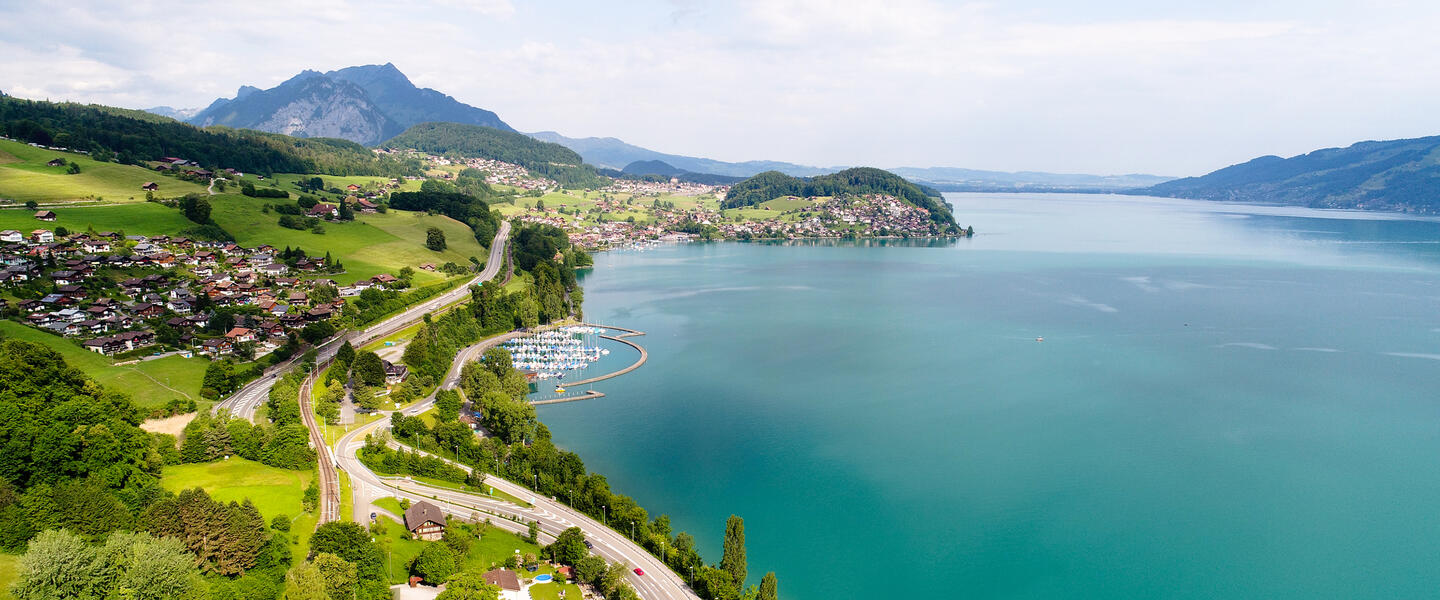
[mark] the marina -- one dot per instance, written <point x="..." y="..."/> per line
<point x="554" y="353"/>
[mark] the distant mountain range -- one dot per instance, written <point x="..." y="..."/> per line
<point x="367" y="104"/>
<point x="372" y="104"/>
<point x="1395" y="175"/>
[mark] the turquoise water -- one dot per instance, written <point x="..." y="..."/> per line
<point x="1229" y="402"/>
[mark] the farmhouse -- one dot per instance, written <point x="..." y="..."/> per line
<point x="150" y="186"/>
<point x="425" y="521"/>
<point x="45" y="215"/>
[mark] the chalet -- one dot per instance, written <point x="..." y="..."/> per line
<point x="11" y="236"/>
<point x="274" y="269"/>
<point x="352" y="187"/>
<point x="150" y="186"/>
<point x="504" y="579"/>
<point x="217" y="346"/>
<point x="425" y="521"/>
<point x="42" y="236"/>
<point x="120" y="342"/>
<point x="45" y="215"/>
<point x="394" y="373"/>
<point x="95" y="246"/>
<point x="56" y="162"/>
<point x="66" y="277"/>
<point x="324" y="211"/>
<point x="367" y="206"/>
<point x="147" y="310"/>
<point x="240" y="334"/>
<point x="319" y="313"/>
<point x="384" y="279"/>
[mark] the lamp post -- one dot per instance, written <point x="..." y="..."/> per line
<point x="604" y="514"/>
<point x="632" y="530"/>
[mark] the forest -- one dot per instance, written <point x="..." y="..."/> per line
<point x="131" y="138"/>
<point x="545" y="159"/>
<point x="859" y="180"/>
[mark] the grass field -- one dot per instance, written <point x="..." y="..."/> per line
<point x="369" y="245"/>
<point x="9" y="570"/>
<point x="286" y="181"/>
<point x="146" y="382"/>
<point x="273" y="491"/>
<point x="145" y="218"/>
<point x="390" y="504"/>
<point x="24" y="176"/>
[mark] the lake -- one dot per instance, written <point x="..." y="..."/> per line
<point x="1228" y="401"/>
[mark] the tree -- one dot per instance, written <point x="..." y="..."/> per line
<point x="435" y="239"/>
<point x="196" y="208"/>
<point x="219" y="375"/>
<point x="733" y="561"/>
<point x="435" y="563"/>
<point x="469" y="585"/>
<point x="368" y="368"/>
<point x="305" y="582"/>
<point x="149" y="567"/>
<point x="497" y="361"/>
<point x="338" y="574"/>
<point x="317" y="331"/>
<point x="569" y="547"/>
<point x="58" y="565"/>
<point x="447" y="406"/>
<point x="534" y="531"/>
<point x="589" y="569"/>
<point x="769" y="588"/>
<point x="345" y="355"/>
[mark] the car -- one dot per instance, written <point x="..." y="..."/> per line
<point x="639" y="571"/>
<point x="589" y="545"/>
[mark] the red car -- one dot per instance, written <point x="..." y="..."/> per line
<point x="639" y="571"/>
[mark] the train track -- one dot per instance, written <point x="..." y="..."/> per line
<point x="329" y="477"/>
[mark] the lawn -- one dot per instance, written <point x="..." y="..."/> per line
<point x="551" y="591"/>
<point x="487" y="552"/>
<point x="145" y="218"/>
<point x="390" y="504"/>
<point x="24" y="176"/>
<point x="274" y="491"/>
<point x="149" y="383"/>
<point x="9" y="570"/>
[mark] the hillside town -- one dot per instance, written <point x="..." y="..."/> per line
<point x="118" y="294"/>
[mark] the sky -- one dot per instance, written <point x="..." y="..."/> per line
<point x="1104" y="87"/>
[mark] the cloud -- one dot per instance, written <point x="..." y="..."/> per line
<point x="1043" y="86"/>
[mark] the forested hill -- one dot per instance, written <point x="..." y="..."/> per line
<point x="133" y="136"/>
<point x="474" y="141"/>
<point x="1398" y="175"/>
<point x="859" y="180"/>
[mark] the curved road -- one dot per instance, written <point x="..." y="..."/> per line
<point x="247" y="399"/>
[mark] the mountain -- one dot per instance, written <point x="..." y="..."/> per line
<point x="366" y="104"/>
<point x="476" y="141"/>
<point x="615" y="154"/>
<point x="953" y="179"/>
<point x="857" y="180"/>
<point x="642" y="169"/>
<point x="179" y="114"/>
<point x="1396" y="175"/>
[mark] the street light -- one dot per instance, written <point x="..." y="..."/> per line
<point x="632" y="530"/>
<point x="604" y="514"/>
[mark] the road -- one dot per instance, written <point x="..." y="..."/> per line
<point x="553" y="517"/>
<point x="244" y="402"/>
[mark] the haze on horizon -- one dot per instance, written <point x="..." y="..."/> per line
<point x="1120" y="86"/>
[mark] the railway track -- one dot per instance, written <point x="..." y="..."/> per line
<point x="329" y="477"/>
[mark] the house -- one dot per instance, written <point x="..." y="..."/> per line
<point x="217" y="346"/>
<point x="150" y="186"/>
<point x="367" y="206"/>
<point x="504" y="579"/>
<point x="352" y="187"/>
<point x="11" y="236"/>
<point x="95" y="246"/>
<point x="240" y="334"/>
<point x="42" y="236"/>
<point x="384" y="279"/>
<point x="425" y="521"/>
<point x="56" y="162"/>
<point x="45" y="215"/>
<point x="120" y="342"/>
<point x="274" y="269"/>
<point x="324" y="211"/>
<point x="394" y="373"/>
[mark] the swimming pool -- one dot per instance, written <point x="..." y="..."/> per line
<point x="542" y="578"/>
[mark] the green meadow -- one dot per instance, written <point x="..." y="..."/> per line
<point x="144" y="218"/>
<point x="274" y="491"/>
<point x="24" y="176"/>
<point x="486" y="553"/>
<point x="149" y="383"/>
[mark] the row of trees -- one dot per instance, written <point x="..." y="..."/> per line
<point x="208" y="439"/>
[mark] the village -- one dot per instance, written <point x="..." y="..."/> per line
<point x="130" y="295"/>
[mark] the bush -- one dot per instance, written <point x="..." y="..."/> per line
<point x="280" y="523"/>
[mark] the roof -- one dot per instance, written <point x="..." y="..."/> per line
<point x="507" y="580"/>
<point x="423" y="511"/>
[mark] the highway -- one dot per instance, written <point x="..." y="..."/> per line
<point x="245" y="401"/>
<point x="553" y="517"/>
